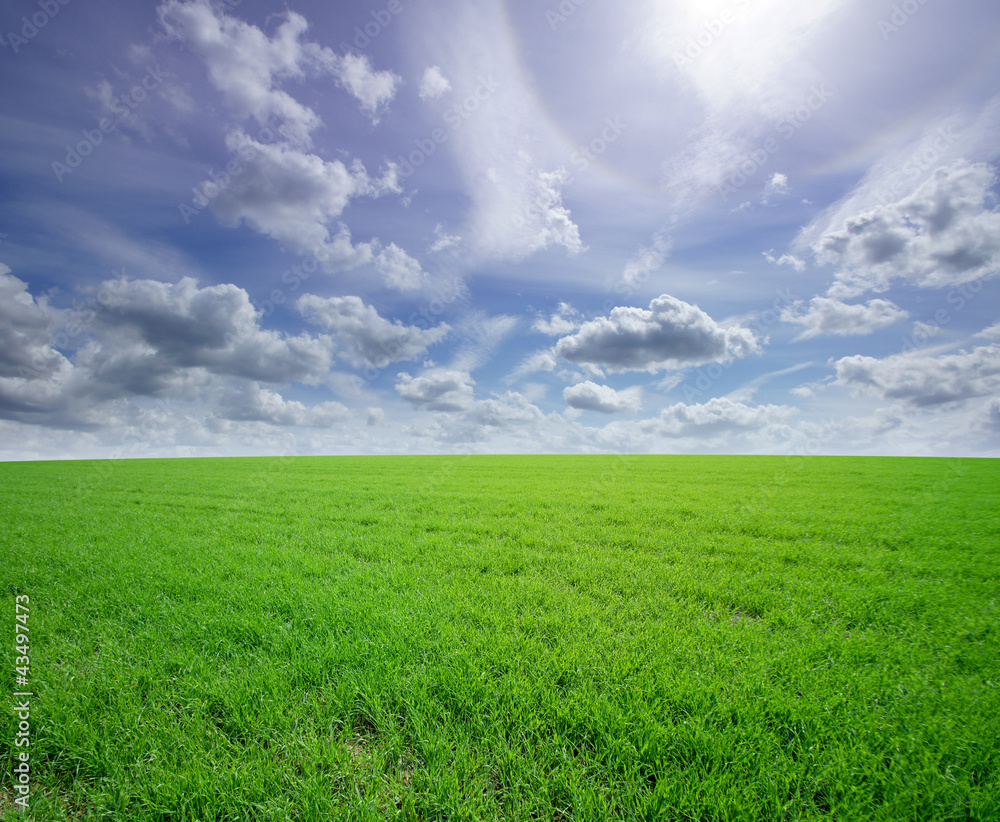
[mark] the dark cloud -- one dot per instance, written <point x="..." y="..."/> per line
<point x="590" y="396"/>
<point x="671" y="334"/>
<point x="363" y="336"/>
<point x="924" y="379"/>
<point x="942" y="234"/>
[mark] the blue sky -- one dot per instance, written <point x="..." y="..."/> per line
<point x="736" y="226"/>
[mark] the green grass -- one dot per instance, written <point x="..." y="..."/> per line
<point x="683" y="638"/>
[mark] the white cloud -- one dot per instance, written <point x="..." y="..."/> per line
<point x="590" y="396"/>
<point x="25" y="332"/>
<point x="433" y="84"/>
<point x="143" y="339"/>
<point x="399" y="269"/>
<point x="829" y="316"/>
<point x="539" y="361"/>
<point x="992" y="332"/>
<point x="437" y="390"/>
<point x="248" y="401"/>
<point x="246" y="66"/>
<point x="292" y="197"/>
<point x="778" y="184"/>
<point x="942" y="234"/>
<point x="523" y="212"/>
<point x="443" y="240"/>
<point x="565" y="320"/>
<point x="717" y="416"/>
<point x="785" y="259"/>
<point x="505" y="411"/>
<point x="671" y="335"/>
<point x="363" y="336"/>
<point x="925" y="379"/>
<point x="501" y="139"/>
<point x="162" y="327"/>
<point x="373" y="89"/>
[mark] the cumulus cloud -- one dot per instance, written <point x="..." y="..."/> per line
<point x="399" y="269"/>
<point x="280" y="189"/>
<point x="565" y="320"/>
<point x="438" y="390"/>
<point x="162" y="327"/>
<point x="942" y="234"/>
<point x="433" y="84"/>
<point x="292" y="196"/>
<point x="147" y="339"/>
<point x="373" y="89"/>
<point x="246" y="66"/>
<point x="778" y="184"/>
<point x="717" y="416"/>
<point x="522" y="211"/>
<point x="670" y="335"/>
<point x="249" y="402"/>
<point x="507" y="410"/>
<point x="25" y="332"/>
<point x="365" y="337"/>
<point x="785" y="259"/>
<point x="992" y="332"/>
<point x="992" y="415"/>
<point x="826" y="315"/>
<point x="590" y="396"/>
<point x="922" y="379"/>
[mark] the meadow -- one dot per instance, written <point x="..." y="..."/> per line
<point x="505" y="637"/>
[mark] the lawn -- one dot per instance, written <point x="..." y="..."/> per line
<point x="505" y="637"/>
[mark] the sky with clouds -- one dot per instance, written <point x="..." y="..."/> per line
<point x="388" y="226"/>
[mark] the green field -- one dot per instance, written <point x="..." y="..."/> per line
<point x="555" y="638"/>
